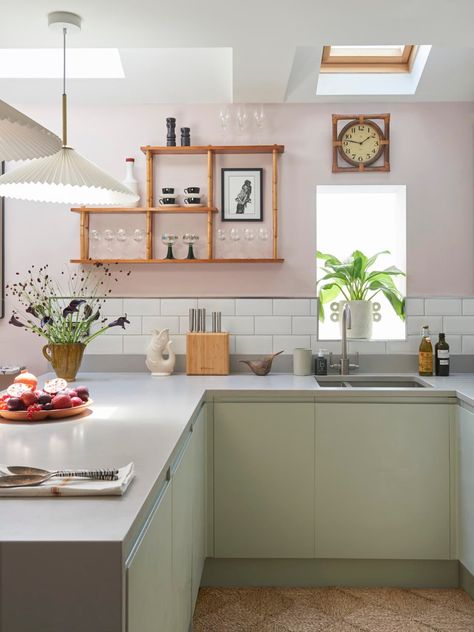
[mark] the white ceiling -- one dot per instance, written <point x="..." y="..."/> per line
<point x="264" y="50"/>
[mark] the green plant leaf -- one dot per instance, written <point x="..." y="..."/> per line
<point x="327" y="294"/>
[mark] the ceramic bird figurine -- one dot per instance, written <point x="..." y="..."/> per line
<point x="160" y="358"/>
<point x="263" y="366"/>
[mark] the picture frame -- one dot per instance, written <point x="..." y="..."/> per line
<point x="2" y="249"/>
<point x="242" y="194"/>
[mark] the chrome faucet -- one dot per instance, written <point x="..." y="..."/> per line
<point x="344" y="365"/>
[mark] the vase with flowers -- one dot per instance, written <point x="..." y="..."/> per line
<point x="67" y="312"/>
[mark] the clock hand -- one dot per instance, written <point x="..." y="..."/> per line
<point x="355" y="141"/>
<point x="365" y="140"/>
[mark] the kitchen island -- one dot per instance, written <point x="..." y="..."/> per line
<point x="87" y="546"/>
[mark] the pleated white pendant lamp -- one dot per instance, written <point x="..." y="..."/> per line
<point x="21" y="138"/>
<point x="66" y="176"/>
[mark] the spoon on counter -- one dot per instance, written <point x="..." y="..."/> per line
<point x="31" y="476"/>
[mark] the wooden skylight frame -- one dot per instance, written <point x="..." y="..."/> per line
<point x="360" y="59"/>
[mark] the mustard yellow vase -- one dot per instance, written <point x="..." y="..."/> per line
<point x="65" y="358"/>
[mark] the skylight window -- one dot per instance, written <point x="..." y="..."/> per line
<point x="46" y="63"/>
<point x="379" y="59"/>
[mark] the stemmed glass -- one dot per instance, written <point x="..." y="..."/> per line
<point x="259" y="116"/>
<point x="95" y="239"/>
<point x="221" y="236"/>
<point x="234" y="234"/>
<point x="225" y="116"/>
<point x="169" y="239"/>
<point x="138" y="237"/>
<point x="241" y="118"/>
<point x="263" y="234"/>
<point x="109" y="237"/>
<point x="190" y="239"/>
<point x="122" y="238"/>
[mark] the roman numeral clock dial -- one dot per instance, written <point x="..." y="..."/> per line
<point x="360" y="143"/>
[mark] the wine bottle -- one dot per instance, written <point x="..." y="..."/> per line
<point x="425" y="353"/>
<point x="442" y="356"/>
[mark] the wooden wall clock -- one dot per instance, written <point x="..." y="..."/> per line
<point x="360" y="142"/>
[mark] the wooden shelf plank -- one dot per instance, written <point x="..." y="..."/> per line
<point x="175" y="261"/>
<point x="217" y="149"/>
<point x="160" y="209"/>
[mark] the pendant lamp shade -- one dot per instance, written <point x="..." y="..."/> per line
<point x="65" y="177"/>
<point x="21" y="138"/>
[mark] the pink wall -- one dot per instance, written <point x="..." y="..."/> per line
<point x="432" y="153"/>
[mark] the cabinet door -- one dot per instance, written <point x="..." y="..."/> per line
<point x="182" y="515"/>
<point x="199" y="502"/>
<point x="466" y="487"/>
<point x="383" y="481"/>
<point x="264" y="480"/>
<point x="149" y="587"/>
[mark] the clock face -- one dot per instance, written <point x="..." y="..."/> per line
<point x="361" y="143"/>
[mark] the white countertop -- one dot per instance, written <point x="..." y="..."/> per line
<point x="138" y="418"/>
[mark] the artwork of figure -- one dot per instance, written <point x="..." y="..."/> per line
<point x="243" y="197"/>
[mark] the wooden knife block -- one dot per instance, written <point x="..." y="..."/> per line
<point x="207" y="353"/>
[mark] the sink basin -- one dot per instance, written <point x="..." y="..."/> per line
<point x="371" y="381"/>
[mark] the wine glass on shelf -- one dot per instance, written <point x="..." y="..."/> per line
<point x="221" y="234"/>
<point x="263" y="234"/>
<point x="259" y="117"/>
<point x="241" y="118"/>
<point x="121" y="239"/>
<point x="225" y="119"/>
<point x="190" y="239"/>
<point x="169" y="239"/>
<point x="234" y="234"/>
<point x="138" y="237"/>
<point x="109" y="237"/>
<point x="94" y="239"/>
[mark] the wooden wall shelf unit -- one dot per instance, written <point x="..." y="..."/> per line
<point x="150" y="210"/>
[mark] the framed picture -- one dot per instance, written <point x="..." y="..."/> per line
<point x="2" y="250"/>
<point x="242" y="195"/>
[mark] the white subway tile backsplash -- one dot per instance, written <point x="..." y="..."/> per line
<point x="305" y="325"/>
<point x="177" y="306"/>
<point x="104" y="345"/>
<point x="273" y="325"/>
<point x="253" y="344"/>
<point x="160" y="322"/>
<point x="443" y="306"/>
<point x="468" y="306"/>
<point x="458" y="324"/>
<point x="142" y="306"/>
<point x="112" y="306"/>
<point x="404" y="347"/>
<point x="291" y="306"/>
<point x="289" y="343"/>
<point x="467" y="344"/>
<point x="254" y="306"/>
<point x="415" y="306"/>
<point x="238" y="324"/>
<point x="266" y="325"/>
<point x="224" y="305"/>
<point x="415" y="324"/>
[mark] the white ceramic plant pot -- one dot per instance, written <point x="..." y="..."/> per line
<point x="363" y="314"/>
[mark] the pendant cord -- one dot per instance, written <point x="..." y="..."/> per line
<point x="64" y="101"/>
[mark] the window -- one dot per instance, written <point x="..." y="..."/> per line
<point x="370" y="218"/>
<point x="379" y="59"/>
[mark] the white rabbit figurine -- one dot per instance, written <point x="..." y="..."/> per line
<point x="160" y="357"/>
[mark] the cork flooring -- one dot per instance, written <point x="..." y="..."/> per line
<point x="333" y="610"/>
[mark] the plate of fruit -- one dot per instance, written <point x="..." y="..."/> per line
<point x="24" y="401"/>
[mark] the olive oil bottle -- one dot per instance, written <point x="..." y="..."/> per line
<point x="425" y="353"/>
<point x="442" y="356"/>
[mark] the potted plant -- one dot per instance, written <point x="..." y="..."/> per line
<point x="356" y="282"/>
<point x="67" y="314"/>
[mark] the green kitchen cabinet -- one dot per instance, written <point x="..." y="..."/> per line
<point x="182" y="537"/>
<point x="150" y="605"/>
<point x="383" y="480"/>
<point x="465" y="454"/>
<point x="264" y="480"/>
<point x="199" y="504"/>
